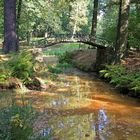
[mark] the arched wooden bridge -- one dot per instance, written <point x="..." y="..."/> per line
<point x="55" y="39"/>
<point x="102" y="52"/>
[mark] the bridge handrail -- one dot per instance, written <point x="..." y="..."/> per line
<point x="83" y="38"/>
<point x="87" y="36"/>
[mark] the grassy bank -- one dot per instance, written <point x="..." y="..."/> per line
<point x="63" y="48"/>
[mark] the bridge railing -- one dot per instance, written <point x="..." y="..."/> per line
<point x="63" y="37"/>
<point x="76" y="36"/>
<point x="56" y="38"/>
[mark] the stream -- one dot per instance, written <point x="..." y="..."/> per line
<point x="81" y="107"/>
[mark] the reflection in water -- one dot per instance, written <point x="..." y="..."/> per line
<point x="60" y="102"/>
<point x="82" y="108"/>
<point x="102" y="120"/>
<point x="46" y="132"/>
<point x="100" y="126"/>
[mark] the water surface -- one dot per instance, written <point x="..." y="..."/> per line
<point x="82" y="107"/>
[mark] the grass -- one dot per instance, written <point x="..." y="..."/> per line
<point x="0" y="50"/>
<point x="37" y="41"/>
<point x="1" y="40"/>
<point x="63" y="48"/>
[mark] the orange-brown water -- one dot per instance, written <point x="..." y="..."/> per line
<point x="82" y="107"/>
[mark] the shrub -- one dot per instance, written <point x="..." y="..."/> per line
<point x="15" y="122"/>
<point x="5" y="73"/>
<point x="64" y="65"/>
<point x="54" y="69"/>
<point x="59" y="68"/>
<point x="21" y="65"/>
<point x="121" y="77"/>
<point x="135" y="84"/>
<point x="66" y="58"/>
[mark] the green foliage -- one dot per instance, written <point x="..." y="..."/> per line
<point x="15" y="122"/>
<point x="54" y="69"/>
<point x="62" y="49"/>
<point x="39" y="17"/>
<point x="64" y="65"/>
<point x="78" y="15"/>
<point x="107" y="24"/>
<point x="38" y="41"/>
<point x="1" y="19"/>
<point x="52" y="76"/>
<point x="21" y="65"/>
<point x="5" y="72"/>
<point x="66" y="58"/>
<point x="134" y="26"/>
<point x="59" y="68"/>
<point x="121" y="77"/>
<point x="135" y="84"/>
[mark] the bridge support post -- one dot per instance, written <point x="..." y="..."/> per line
<point x="101" y="58"/>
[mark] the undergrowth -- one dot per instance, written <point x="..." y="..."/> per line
<point x="20" y="65"/>
<point x="59" y="68"/>
<point x="121" y="77"/>
<point x="16" y="122"/>
<point x="62" y="49"/>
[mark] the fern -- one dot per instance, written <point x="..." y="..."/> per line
<point x="21" y="65"/>
<point x="119" y="76"/>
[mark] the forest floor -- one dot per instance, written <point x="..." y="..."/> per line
<point x="132" y="61"/>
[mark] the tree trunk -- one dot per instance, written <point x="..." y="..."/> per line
<point x="94" y="21"/>
<point x="101" y="59"/>
<point x="10" y="36"/>
<point x="101" y="56"/>
<point x="74" y="29"/>
<point x="19" y="14"/>
<point x="28" y="37"/>
<point x="75" y="24"/>
<point x="122" y="30"/>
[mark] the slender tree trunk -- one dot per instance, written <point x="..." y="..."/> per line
<point x="94" y="21"/>
<point x="28" y="37"/>
<point x="138" y="16"/>
<point x="19" y="14"/>
<point x="101" y="57"/>
<point x="74" y="29"/>
<point x="122" y="30"/>
<point x="10" y="36"/>
<point x="75" y="24"/>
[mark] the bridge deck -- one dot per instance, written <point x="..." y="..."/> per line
<point x="67" y="38"/>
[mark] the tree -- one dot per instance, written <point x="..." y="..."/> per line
<point x="134" y="26"/>
<point x="122" y="30"/>
<point x="101" y="52"/>
<point x="19" y="14"/>
<point x="94" y="21"/>
<point x="78" y="15"/>
<point x="1" y="19"/>
<point x="39" y="17"/>
<point x="107" y="23"/>
<point x="10" y="36"/>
